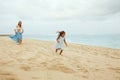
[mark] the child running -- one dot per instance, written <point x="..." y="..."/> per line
<point x="60" y="40"/>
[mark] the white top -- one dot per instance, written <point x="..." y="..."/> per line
<point x="61" y="40"/>
<point x="59" y="45"/>
<point x="19" y="29"/>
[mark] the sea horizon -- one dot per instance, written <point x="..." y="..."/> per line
<point x="108" y="40"/>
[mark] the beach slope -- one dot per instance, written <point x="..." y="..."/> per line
<point x="36" y="60"/>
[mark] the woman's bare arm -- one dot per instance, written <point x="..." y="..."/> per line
<point x="15" y="30"/>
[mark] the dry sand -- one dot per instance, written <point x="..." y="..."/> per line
<point x="36" y="60"/>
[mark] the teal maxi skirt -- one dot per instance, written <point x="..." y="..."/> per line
<point x="16" y="37"/>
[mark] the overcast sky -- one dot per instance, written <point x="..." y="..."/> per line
<point x="49" y="16"/>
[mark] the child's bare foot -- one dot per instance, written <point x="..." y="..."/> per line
<point x="61" y="54"/>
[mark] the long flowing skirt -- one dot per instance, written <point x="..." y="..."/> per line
<point x="16" y="37"/>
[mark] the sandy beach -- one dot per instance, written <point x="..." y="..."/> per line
<point x="36" y="60"/>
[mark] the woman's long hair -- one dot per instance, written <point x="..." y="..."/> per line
<point x="60" y="34"/>
<point x="20" y="23"/>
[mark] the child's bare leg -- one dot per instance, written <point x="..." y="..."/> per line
<point x="61" y="52"/>
<point x="56" y="50"/>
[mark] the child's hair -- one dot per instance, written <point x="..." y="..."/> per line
<point x="60" y="34"/>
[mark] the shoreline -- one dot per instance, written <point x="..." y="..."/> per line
<point x="77" y="43"/>
<point x="7" y="36"/>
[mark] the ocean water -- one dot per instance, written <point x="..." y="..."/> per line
<point x="111" y="41"/>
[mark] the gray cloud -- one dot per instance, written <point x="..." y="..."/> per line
<point x="54" y="12"/>
<point x="59" y="9"/>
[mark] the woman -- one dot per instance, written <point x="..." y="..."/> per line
<point x="18" y="33"/>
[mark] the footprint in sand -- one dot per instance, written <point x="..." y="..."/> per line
<point x="35" y="78"/>
<point x="117" y="69"/>
<point x="7" y="76"/>
<point x="61" y="68"/>
<point x="117" y="78"/>
<point x="84" y="76"/>
<point x="25" y="68"/>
